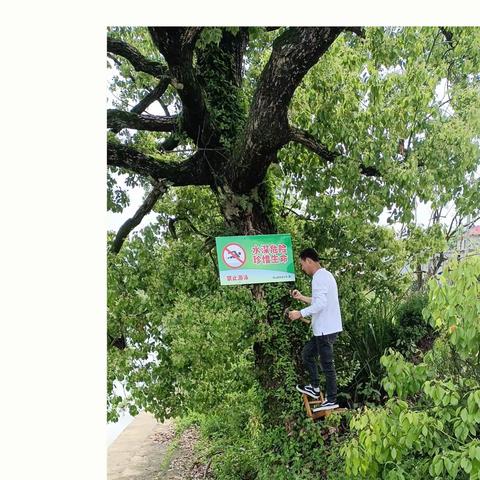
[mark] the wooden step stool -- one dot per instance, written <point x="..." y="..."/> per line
<point x="310" y="407"/>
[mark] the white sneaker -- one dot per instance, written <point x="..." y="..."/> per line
<point x="326" y="405"/>
<point x="309" y="390"/>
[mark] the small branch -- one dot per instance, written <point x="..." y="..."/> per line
<point x="158" y="191"/>
<point x="309" y="141"/>
<point x="169" y="144"/>
<point x="165" y="108"/>
<point x="452" y="231"/>
<point x="117" y="342"/>
<point x="114" y="59"/>
<point x="284" y="201"/>
<point x="215" y="265"/>
<point x="412" y="131"/>
<point x="171" y="227"/>
<point x="440" y="105"/>
<point x="118" y="119"/>
<point x="207" y="468"/>
<point x="299" y="215"/>
<point x="472" y="222"/>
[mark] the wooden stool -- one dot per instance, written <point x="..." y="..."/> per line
<point x="310" y="407"/>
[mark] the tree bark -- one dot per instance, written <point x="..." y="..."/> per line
<point x="159" y="189"/>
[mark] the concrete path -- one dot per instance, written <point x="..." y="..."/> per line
<point x="139" y="451"/>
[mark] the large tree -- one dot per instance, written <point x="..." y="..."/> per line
<point x="351" y="120"/>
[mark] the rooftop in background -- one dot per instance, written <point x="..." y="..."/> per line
<point x="474" y="231"/>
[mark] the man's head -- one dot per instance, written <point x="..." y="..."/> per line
<point x="309" y="261"/>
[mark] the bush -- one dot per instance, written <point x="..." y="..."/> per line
<point x="430" y="426"/>
<point x="410" y="326"/>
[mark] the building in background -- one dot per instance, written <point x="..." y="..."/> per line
<point x="469" y="242"/>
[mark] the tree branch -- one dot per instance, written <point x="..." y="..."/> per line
<point x="169" y="144"/>
<point x="155" y="94"/>
<point x="299" y="215"/>
<point x="165" y="107"/>
<point x="159" y="189"/>
<point x="294" y="52"/>
<point x="138" y="61"/>
<point x="176" y="45"/>
<point x="151" y="97"/>
<point x="118" y="119"/>
<point x="309" y="141"/>
<point x="447" y="34"/>
<point x="173" y="220"/>
<point x="114" y="59"/>
<point x="192" y="171"/>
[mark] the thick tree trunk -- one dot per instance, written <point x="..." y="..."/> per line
<point x="247" y="214"/>
<point x="253" y="215"/>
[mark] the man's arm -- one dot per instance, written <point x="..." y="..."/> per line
<point x="319" y="304"/>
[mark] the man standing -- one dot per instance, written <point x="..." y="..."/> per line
<point x="326" y="324"/>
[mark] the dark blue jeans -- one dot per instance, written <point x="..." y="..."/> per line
<point x="322" y="347"/>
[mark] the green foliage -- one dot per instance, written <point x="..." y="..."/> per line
<point x="365" y="98"/>
<point x="431" y="424"/>
<point x="369" y="330"/>
<point x="372" y="324"/>
<point x="409" y="314"/>
<point x="117" y="197"/>
<point x="410" y="327"/>
<point x="129" y="86"/>
<point x="454" y="306"/>
<point x="223" y="96"/>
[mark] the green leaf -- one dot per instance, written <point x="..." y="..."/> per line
<point x="466" y="464"/>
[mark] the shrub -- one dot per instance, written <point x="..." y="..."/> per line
<point x="430" y="426"/>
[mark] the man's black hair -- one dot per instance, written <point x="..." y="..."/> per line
<point x="309" y="253"/>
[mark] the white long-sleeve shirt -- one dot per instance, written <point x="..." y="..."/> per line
<point x="325" y="308"/>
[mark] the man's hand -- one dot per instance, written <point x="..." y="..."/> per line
<point x="296" y="295"/>
<point x="294" y="315"/>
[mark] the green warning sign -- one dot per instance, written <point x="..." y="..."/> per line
<point x="255" y="259"/>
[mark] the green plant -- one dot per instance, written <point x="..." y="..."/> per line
<point x="430" y="426"/>
<point x="410" y="327"/>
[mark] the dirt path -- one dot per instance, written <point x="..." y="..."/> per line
<point x="148" y="450"/>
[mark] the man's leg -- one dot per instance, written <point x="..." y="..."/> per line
<point x="309" y="357"/>
<point x="325" y="350"/>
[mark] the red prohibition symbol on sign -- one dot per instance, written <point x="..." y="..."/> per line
<point x="233" y="255"/>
